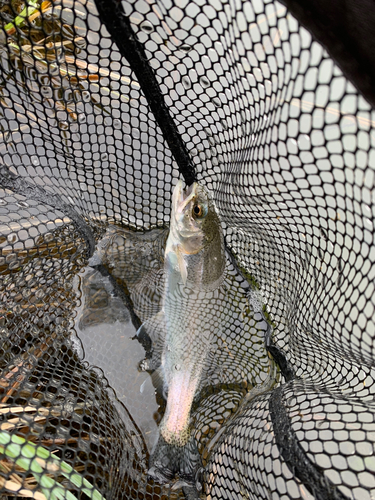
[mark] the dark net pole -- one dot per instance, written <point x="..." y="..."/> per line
<point x="118" y="25"/>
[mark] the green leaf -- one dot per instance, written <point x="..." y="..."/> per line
<point x="24" y="14"/>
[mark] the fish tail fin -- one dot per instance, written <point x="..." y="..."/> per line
<point x="168" y="460"/>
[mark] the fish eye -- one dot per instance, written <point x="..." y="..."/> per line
<point x="198" y="211"/>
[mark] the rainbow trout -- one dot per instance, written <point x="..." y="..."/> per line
<point x="194" y="270"/>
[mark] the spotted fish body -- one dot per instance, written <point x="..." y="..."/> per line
<point x="194" y="270"/>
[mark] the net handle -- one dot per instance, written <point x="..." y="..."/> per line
<point x="118" y="25"/>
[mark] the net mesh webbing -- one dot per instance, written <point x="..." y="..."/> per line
<point x="102" y="108"/>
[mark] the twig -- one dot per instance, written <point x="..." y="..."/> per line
<point x="14" y="487"/>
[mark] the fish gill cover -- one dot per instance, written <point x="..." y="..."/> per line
<point x="104" y="106"/>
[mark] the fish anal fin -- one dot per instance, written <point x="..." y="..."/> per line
<point x="158" y="382"/>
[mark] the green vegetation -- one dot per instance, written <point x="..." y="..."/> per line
<point x="29" y="10"/>
<point x="44" y="466"/>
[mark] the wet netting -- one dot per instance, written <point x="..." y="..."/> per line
<point x="104" y="106"/>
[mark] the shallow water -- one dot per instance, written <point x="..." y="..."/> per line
<point x="105" y="338"/>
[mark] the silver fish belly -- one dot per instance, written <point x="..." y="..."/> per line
<point x="188" y="317"/>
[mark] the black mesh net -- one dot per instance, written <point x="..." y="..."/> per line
<point x="103" y="107"/>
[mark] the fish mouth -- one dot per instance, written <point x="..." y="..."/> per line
<point x="184" y="224"/>
<point x="182" y="198"/>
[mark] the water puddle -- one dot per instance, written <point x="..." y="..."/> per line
<point x="105" y="338"/>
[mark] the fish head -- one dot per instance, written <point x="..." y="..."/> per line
<point x="195" y="242"/>
<point x="194" y="219"/>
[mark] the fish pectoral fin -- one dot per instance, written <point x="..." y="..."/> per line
<point x="151" y="335"/>
<point x="153" y="328"/>
<point x="182" y="266"/>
